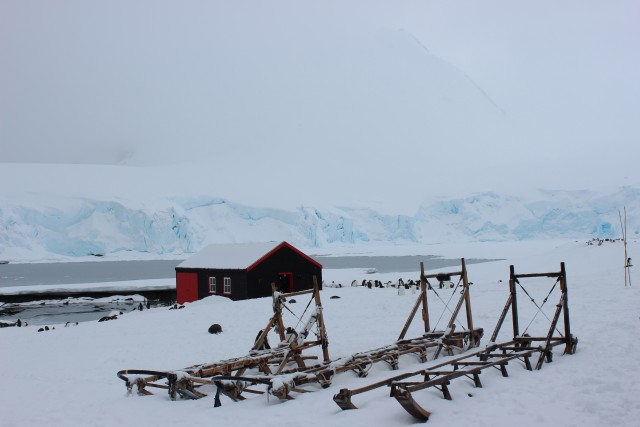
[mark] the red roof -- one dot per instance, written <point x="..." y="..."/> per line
<point x="281" y="245"/>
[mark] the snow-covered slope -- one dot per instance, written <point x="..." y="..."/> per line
<point x="88" y="220"/>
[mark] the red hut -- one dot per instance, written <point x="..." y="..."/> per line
<point x="245" y="270"/>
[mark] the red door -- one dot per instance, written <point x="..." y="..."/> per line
<point x="286" y="282"/>
<point x="186" y="287"/>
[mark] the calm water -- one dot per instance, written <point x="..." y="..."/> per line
<point x="84" y="272"/>
<point x="116" y="271"/>
<point x="113" y="271"/>
<point x="59" y="313"/>
<point x="392" y="264"/>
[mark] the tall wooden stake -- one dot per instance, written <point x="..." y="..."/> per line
<point x="627" y="260"/>
<point x="467" y="303"/>
<point x="425" y="305"/>
<point x="323" y="332"/>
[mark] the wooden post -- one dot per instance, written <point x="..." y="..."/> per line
<point x="467" y="304"/>
<point x="277" y="311"/>
<point x="423" y="296"/>
<point x="514" y="302"/>
<point x="265" y="331"/>
<point x="323" y="332"/>
<point x="546" y="350"/>
<point x="503" y="315"/>
<point x="410" y="318"/>
<point x="565" y="306"/>
<point x="422" y="299"/>
<point x="627" y="264"/>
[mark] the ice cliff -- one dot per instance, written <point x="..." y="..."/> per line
<point x="40" y="228"/>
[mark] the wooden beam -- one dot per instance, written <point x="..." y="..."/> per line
<point x="320" y="319"/>
<point x="467" y="303"/>
<point x="423" y="295"/>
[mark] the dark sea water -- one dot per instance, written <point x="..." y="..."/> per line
<point x="116" y="271"/>
<point x="113" y="271"/>
<point x="84" y="272"/>
<point x="57" y="312"/>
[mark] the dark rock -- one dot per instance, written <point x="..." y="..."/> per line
<point x="215" y="329"/>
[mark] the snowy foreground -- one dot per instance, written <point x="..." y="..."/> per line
<point x="67" y="376"/>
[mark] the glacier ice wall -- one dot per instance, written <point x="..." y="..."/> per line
<point x="32" y="228"/>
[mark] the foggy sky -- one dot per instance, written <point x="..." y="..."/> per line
<point x="530" y="89"/>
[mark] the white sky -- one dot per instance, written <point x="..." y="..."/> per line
<point x="381" y="99"/>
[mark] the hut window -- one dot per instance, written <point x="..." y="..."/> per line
<point x="212" y="285"/>
<point x="227" y="285"/>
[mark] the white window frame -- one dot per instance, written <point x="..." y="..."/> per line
<point x="227" y="285"/>
<point x="212" y="285"/>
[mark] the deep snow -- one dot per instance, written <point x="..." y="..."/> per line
<point x="66" y="376"/>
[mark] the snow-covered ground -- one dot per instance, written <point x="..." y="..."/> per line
<point x="67" y="376"/>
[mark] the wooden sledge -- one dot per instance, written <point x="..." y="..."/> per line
<point x="431" y="342"/>
<point x="230" y="376"/>
<point x="493" y="355"/>
<point x="184" y="382"/>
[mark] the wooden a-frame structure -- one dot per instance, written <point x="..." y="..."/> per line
<point x="187" y="382"/>
<point x="282" y="383"/>
<point x="231" y="379"/>
<point x="465" y="298"/>
<point x="494" y="355"/>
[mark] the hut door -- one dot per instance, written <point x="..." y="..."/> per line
<point x="186" y="287"/>
<point x="286" y="282"/>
